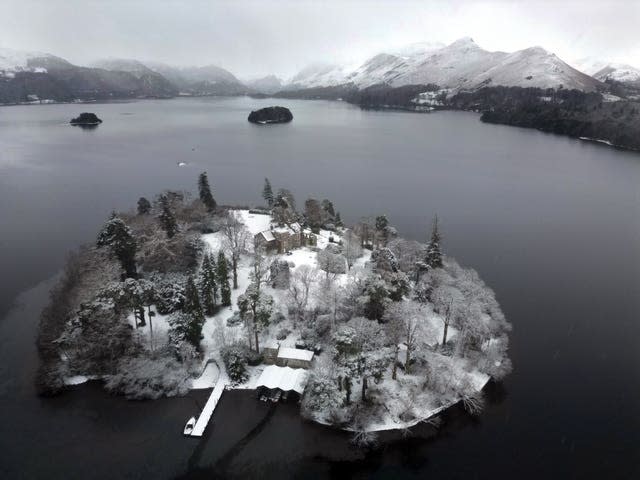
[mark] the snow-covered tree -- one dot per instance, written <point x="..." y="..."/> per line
<point x="167" y="218"/>
<point x="313" y="214"/>
<point x="235" y="240"/>
<point x="331" y="263"/>
<point x="329" y="211"/>
<point x="205" y="192"/>
<point x="433" y="257"/>
<point x="117" y="236"/>
<point x="169" y="292"/>
<point x="260" y="267"/>
<point x="222" y="277"/>
<point x="284" y="208"/>
<point x="398" y="285"/>
<point x="382" y="223"/>
<point x="299" y="290"/>
<point x="135" y="298"/>
<point x="255" y="308"/>
<point x="208" y="285"/>
<point x="352" y="247"/>
<point x="185" y="327"/>
<point x="148" y="298"/>
<point x="405" y="321"/>
<point x="280" y="274"/>
<point x="358" y="348"/>
<point x="375" y="297"/>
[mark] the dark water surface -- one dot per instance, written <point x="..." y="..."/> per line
<point x="552" y="224"/>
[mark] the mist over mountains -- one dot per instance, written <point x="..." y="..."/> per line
<point x="460" y="66"/>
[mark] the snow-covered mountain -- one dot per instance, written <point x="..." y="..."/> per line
<point x="603" y="71"/>
<point x="462" y="65"/>
<point x="14" y="61"/>
<point x="206" y="80"/>
<point x="268" y="84"/>
<point x="319" y="75"/>
<point x="123" y="65"/>
<point x="534" y="67"/>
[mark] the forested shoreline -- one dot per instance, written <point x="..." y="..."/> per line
<point x="399" y="330"/>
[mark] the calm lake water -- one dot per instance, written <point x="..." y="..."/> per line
<point x="551" y="223"/>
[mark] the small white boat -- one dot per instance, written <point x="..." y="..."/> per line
<point x="188" y="428"/>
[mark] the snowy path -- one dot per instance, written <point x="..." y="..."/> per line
<point x="208" y="378"/>
<point x="210" y="406"/>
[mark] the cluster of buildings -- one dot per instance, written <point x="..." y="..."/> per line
<point x="285" y="238"/>
<point x="287" y="372"/>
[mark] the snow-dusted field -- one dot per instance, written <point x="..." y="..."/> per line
<point x="216" y="331"/>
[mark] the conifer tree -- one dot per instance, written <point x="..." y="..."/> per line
<point x="117" y="236"/>
<point x="208" y="286"/>
<point x="144" y="206"/>
<point x="190" y="323"/>
<point x="267" y="193"/>
<point x="191" y="298"/>
<point x="222" y="270"/>
<point x="205" y="192"/>
<point x="166" y="217"/>
<point x="433" y="258"/>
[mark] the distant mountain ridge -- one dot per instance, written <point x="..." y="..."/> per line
<point x="462" y="65"/>
<point x="30" y="77"/>
<point x="603" y="71"/>
<point x="459" y="66"/>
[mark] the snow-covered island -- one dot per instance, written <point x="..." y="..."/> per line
<point x="367" y="330"/>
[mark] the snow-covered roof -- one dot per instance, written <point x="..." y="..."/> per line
<point x="291" y="228"/>
<point x="267" y="235"/>
<point x="284" y="378"/>
<point x="295" y="353"/>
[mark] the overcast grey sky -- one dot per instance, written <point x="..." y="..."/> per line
<point x="276" y="36"/>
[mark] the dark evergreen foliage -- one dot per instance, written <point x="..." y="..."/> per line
<point x="117" y="236"/>
<point x="167" y="218"/>
<point x="222" y="271"/>
<point x="433" y="257"/>
<point x="144" y="206"/>
<point x="208" y="285"/>
<point x="205" y="192"/>
<point x="267" y="193"/>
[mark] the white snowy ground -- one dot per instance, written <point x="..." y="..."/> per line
<point x="424" y="406"/>
<point x="215" y="329"/>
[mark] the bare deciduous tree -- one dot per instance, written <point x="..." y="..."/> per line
<point x="300" y="288"/>
<point x="235" y="242"/>
<point x="405" y="321"/>
<point x="352" y="247"/>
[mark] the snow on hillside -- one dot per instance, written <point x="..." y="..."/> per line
<point x="460" y="65"/>
<point x="618" y="72"/>
<point x="319" y="75"/>
<point x="602" y="71"/>
<point x="12" y="61"/>
<point x="534" y="67"/>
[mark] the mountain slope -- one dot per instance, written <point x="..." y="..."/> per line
<point x="29" y="76"/>
<point x="534" y="67"/>
<point x="603" y="71"/>
<point x="207" y="80"/>
<point x="14" y="61"/>
<point x="268" y="84"/>
<point x="461" y="65"/>
<point x="152" y="82"/>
